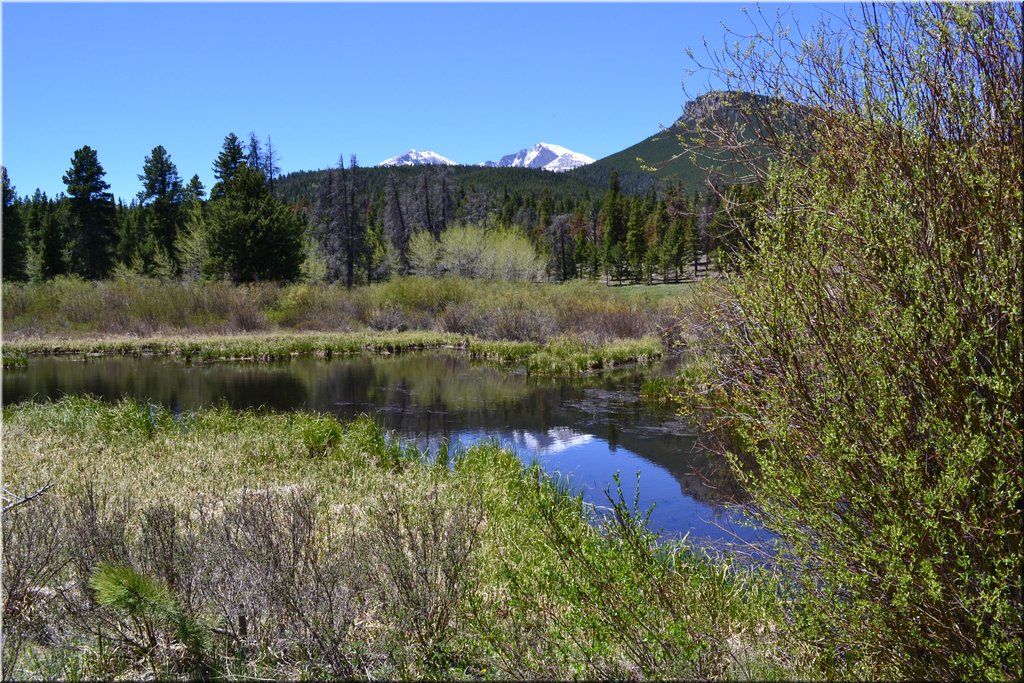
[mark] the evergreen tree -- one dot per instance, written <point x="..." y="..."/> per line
<point x="426" y="205"/>
<point x="194" y="191"/>
<point x="395" y="225"/>
<point x="445" y="207"/>
<point x="636" y="239"/>
<point x="45" y="238"/>
<point x="227" y="164"/>
<point x="162" y="197"/>
<point x="251" y="235"/>
<point x="134" y="246"/>
<point x="192" y="250"/>
<point x="614" y="226"/>
<point x="545" y="211"/>
<point x="561" y="246"/>
<point x="15" y="242"/>
<point x="91" y="216"/>
<point x="655" y="231"/>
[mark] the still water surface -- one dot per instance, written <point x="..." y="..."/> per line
<point x="585" y="430"/>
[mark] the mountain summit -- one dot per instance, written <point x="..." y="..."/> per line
<point x="414" y="158"/>
<point x="543" y="155"/>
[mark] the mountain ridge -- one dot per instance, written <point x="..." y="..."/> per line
<point x="415" y="158"/>
<point x="543" y="155"/>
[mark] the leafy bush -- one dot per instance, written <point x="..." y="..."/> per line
<point x="474" y="252"/>
<point x="870" y="356"/>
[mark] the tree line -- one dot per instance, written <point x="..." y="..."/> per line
<point x="359" y="225"/>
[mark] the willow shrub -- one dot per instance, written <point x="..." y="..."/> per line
<point x="869" y="357"/>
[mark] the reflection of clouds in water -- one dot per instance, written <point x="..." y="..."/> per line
<point x="550" y="442"/>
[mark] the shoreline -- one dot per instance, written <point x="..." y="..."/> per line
<point x="567" y="354"/>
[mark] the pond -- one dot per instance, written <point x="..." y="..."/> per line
<point x="586" y="430"/>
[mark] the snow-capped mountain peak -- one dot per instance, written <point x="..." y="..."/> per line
<point x="414" y="158"/>
<point x="543" y="155"/>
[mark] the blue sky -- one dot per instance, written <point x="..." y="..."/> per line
<point x="469" y="81"/>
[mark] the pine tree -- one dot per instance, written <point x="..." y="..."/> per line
<point x="614" y="226"/>
<point x="15" y="242"/>
<point x="251" y="235"/>
<point x="194" y="191"/>
<point x="227" y="164"/>
<point x="636" y="239"/>
<point x="656" y="231"/>
<point x="92" y="228"/>
<point x="395" y="225"/>
<point x="45" y="238"/>
<point x="162" y="197"/>
<point x="561" y="245"/>
<point x="134" y="245"/>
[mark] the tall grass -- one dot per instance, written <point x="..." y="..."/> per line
<point x="523" y="311"/>
<point x="258" y="545"/>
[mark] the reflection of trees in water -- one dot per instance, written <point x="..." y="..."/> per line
<point x="429" y="395"/>
<point x="163" y="381"/>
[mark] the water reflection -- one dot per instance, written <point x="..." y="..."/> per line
<point x="587" y="430"/>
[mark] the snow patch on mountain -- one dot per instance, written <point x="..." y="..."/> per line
<point x="543" y="155"/>
<point x="414" y="158"/>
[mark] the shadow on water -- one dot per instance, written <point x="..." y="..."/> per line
<point x="585" y="429"/>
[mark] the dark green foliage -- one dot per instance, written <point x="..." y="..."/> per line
<point x="613" y="225"/>
<point x="15" y="242"/>
<point x="301" y="186"/>
<point x="636" y="238"/>
<point x="162" y="197"/>
<point x="91" y="229"/>
<point x="227" y="164"/>
<point x="168" y="232"/>
<point x="45" y="222"/>
<point x="194" y="191"/>
<point x="252" y="236"/>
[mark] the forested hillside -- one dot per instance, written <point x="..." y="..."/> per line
<point x="358" y="225"/>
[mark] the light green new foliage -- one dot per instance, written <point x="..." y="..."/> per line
<point x="470" y="251"/>
<point x="869" y="358"/>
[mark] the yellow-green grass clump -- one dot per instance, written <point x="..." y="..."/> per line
<point x="565" y="355"/>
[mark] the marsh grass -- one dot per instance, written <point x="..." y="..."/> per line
<point x="14" y="359"/>
<point x="565" y="355"/>
<point x="575" y="355"/>
<point x="522" y="311"/>
<point x="253" y="544"/>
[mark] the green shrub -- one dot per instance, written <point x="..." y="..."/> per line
<point x="870" y="355"/>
